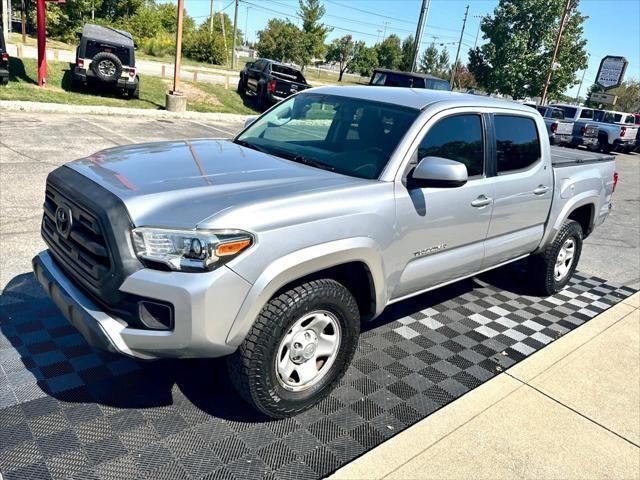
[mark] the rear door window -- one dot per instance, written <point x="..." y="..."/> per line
<point x="587" y="114"/>
<point x="458" y="138"/>
<point x="517" y="143"/>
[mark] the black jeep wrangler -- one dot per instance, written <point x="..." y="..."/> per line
<point x="106" y="56"/>
<point x="4" y="61"/>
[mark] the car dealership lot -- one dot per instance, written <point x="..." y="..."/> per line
<point x="31" y="145"/>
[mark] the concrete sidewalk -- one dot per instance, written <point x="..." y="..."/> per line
<point x="571" y="410"/>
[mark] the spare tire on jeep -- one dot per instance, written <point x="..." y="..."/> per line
<point x="106" y="67"/>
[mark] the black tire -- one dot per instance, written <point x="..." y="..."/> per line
<point x="542" y="265"/>
<point x="135" y="93"/>
<point x="241" y="86"/>
<point x="262" y="103"/>
<point x="4" y="81"/>
<point x="253" y="367"/>
<point x="603" y="144"/>
<point x="106" y="67"/>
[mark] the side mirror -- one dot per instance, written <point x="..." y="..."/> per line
<point x="250" y="120"/>
<point x="439" y="172"/>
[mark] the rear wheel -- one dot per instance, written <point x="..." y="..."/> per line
<point x="298" y="349"/>
<point x="106" y="67"/>
<point x="552" y="268"/>
<point x="605" y="146"/>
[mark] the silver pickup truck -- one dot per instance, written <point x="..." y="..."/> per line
<point x="585" y="127"/>
<point x="559" y="129"/>
<point x="273" y="247"/>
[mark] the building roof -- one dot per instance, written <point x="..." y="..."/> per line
<point x="107" y="34"/>
<point x="418" y="98"/>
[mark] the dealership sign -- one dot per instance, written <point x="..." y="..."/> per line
<point x="611" y="71"/>
<point x="603" y="98"/>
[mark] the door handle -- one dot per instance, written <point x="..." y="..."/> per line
<point x="541" y="190"/>
<point x="481" y="201"/>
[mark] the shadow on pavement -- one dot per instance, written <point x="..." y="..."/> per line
<point x="67" y="368"/>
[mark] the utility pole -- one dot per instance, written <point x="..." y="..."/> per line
<point x="384" y="32"/>
<point x="565" y="14"/>
<point x="378" y="37"/>
<point x="24" y="22"/>
<point x="246" y="25"/>
<point x="211" y="12"/>
<point x="93" y="10"/>
<point x="235" y="33"/>
<point x="5" y="19"/>
<point x="424" y="12"/>
<point x="475" y="44"/>
<point x="455" y="63"/>
<point x="582" y="79"/>
<point x="176" y="68"/>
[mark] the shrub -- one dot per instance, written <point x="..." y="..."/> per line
<point x="205" y="47"/>
<point x="159" y="46"/>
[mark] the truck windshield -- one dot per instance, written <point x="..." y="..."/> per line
<point x="569" y="112"/>
<point x="351" y="136"/>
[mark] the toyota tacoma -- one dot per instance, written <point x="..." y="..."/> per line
<point x="271" y="248"/>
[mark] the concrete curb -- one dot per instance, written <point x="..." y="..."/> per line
<point x="38" y="107"/>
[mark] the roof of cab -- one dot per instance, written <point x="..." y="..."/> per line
<point x="107" y="34"/>
<point x="418" y="98"/>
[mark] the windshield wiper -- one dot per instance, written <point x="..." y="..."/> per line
<point x="251" y="146"/>
<point x="304" y="160"/>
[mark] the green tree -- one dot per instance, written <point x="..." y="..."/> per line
<point x="434" y="62"/>
<point x="314" y="33"/>
<point x="389" y="52"/>
<point x="168" y="15"/>
<point x="279" y="41"/>
<point x="116" y="9"/>
<point x="365" y="59"/>
<point x="464" y="79"/>
<point x="408" y="45"/>
<point x="628" y="97"/>
<point x="429" y="60"/>
<point x="521" y="36"/>
<point x="341" y="51"/>
<point x="205" y="47"/>
<point x="442" y="66"/>
<point x="218" y="19"/>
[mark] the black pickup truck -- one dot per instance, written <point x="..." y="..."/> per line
<point x="270" y="81"/>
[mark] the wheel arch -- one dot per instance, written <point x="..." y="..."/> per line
<point x="352" y="261"/>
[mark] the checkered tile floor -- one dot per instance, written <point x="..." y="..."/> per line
<point x="67" y="411"/>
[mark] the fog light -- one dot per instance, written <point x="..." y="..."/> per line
<point x="155" y="316"/>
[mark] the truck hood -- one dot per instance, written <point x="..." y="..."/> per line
<point x="179" y="184"/>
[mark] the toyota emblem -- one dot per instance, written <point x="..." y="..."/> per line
<point x="63" y="220"/>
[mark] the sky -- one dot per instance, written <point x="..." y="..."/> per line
<point x="613" y="26"/>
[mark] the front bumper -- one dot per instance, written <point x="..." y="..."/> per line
<point x="205" y="306"/>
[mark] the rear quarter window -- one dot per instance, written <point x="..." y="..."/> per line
<point x="517" y="143"/>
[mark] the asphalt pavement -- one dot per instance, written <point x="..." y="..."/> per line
<point x="31" y="145"/>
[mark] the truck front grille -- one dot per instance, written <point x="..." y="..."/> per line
<point x="83" y="248"/>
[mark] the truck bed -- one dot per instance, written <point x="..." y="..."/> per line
<point x="565" y="157"/>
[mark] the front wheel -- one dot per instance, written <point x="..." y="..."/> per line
<point x="552" y="268"/>
<point x="298" y="349"/>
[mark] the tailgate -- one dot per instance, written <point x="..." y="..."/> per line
<point x="630" y="133"/>
<point x="564" y="128"/>
<point x="284" y="88"/>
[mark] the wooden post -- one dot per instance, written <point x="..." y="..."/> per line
<point x="195" y="76"/>
<point x="42" y="39"/>
<point x="19" y="47"/>
<point x="163" y="71"/>
<point x="55" y="55"/>
<point x="226" y="81"/>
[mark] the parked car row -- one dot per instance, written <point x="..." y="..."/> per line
<point x="606" y="131"/>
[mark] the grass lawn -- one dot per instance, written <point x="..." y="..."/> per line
<point x="201" y="97"/>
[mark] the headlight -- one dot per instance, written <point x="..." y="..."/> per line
<point x="189" y="250"/>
